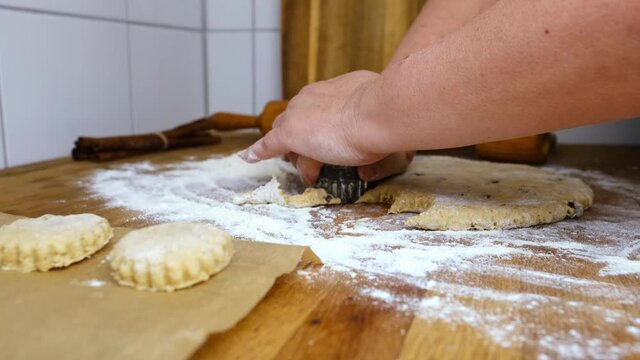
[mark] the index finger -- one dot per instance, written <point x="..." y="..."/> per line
<point x="269" y="146"/>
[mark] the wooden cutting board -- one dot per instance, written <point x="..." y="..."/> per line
<point x="322" y="39"/>
<point x="327" y="317"/>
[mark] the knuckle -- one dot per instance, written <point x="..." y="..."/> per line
<point x="277" y="123"/>
<point x="304" y="91"/>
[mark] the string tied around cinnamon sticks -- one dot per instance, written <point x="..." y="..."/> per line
<point x="165" y="141"/>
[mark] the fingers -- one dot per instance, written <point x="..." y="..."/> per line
<point x="308" y="169"/>
<point x="292" y="158"/>
<point x="267" y="147"/>
<point x="391" y="165"/>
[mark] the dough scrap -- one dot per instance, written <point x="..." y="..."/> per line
<point x="272" y="193"/>
<point x="170" y="256"/>
<point x="51" y="241"/>
<point x="458" y="194"/>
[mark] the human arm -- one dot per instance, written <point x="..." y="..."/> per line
<point x="435" y="20"/>
<point x="520" y="68"/>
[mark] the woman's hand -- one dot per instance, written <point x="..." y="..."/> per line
<point x="322" y="124"/>
<point x="393" y="164"/>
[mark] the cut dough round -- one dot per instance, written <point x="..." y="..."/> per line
<point x="170" y="256"/>
<point x="51" y="241"/>
<point x="457" y="194"/>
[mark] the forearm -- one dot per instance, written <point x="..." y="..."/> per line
<point x="437" y="19"/>
<point x="520" y="68"/>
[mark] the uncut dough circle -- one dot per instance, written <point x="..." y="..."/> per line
<point x="458" y="194"/>
<point x="171" y="256"/>
<point x="51" y="241"/>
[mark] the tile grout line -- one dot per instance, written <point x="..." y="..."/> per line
<point x="205" y="56"/>
<point x="99" y="18"/>
<point x="5" y="155"/>
<point x="253" y="57"/>
<point x="130" y="74"/>
<point x="217" y="30"/>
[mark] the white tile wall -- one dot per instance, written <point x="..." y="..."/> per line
<point x="268" y="68"/>
<point x="61" y="77"/>
<point x="230" y="72"/>
<point x="229" y="14"/>
<point x="186" y="13"/>
<point x="3" y="164"/>
<point x="115" y="9"/>
<point x="267" y="14"/>
<point x="167" y="77"/>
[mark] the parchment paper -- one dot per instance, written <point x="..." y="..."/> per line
<point x="81" y="313"/>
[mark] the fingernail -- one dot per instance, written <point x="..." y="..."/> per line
<point x="249" y="156"/>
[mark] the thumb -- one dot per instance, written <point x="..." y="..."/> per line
<point x="391" y="165"/>
<point x="308" y="169"/>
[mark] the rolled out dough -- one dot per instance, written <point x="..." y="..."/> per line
<point x="171" y="256"/>
<point x="458" y="194"/>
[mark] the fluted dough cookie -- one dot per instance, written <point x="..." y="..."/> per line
<point x="171" y="256"/>
<point x="51" y="241"/>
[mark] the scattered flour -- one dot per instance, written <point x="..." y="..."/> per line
<point x="90" y="283"/>
<point x="383" y="251"/>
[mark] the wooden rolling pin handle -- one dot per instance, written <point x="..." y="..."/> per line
<point x="227" y="121"/>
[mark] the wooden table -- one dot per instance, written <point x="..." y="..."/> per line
<point x="327" y="318"/>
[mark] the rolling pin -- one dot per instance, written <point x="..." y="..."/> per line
<point x="526" y="150"/>
<point x="228" y="121"/>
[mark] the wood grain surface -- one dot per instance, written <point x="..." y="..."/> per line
<point x="328" y="318"/>
<point x="322" y="39"/>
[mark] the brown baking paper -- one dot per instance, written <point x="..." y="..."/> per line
<point x="81" y="313"/>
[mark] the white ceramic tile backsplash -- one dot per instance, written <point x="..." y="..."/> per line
<point x="167" y="77"/>
<point x="115" y="9"/>
<point x="230" y="72"/>
<point x="61" y="77"/>
<point x="229" y="14"/>
<point x="186" y="13"/>
<point x="3" y="164"/>
<point x="268" y="68"/>
<point x="267" y="14"/>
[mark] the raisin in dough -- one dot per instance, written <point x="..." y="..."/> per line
<point x="51" y="241"/>
<point x="171" y="256"/>
<point x="458" y="194"/>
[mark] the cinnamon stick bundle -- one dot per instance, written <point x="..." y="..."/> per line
<point x="195" y="133"/>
